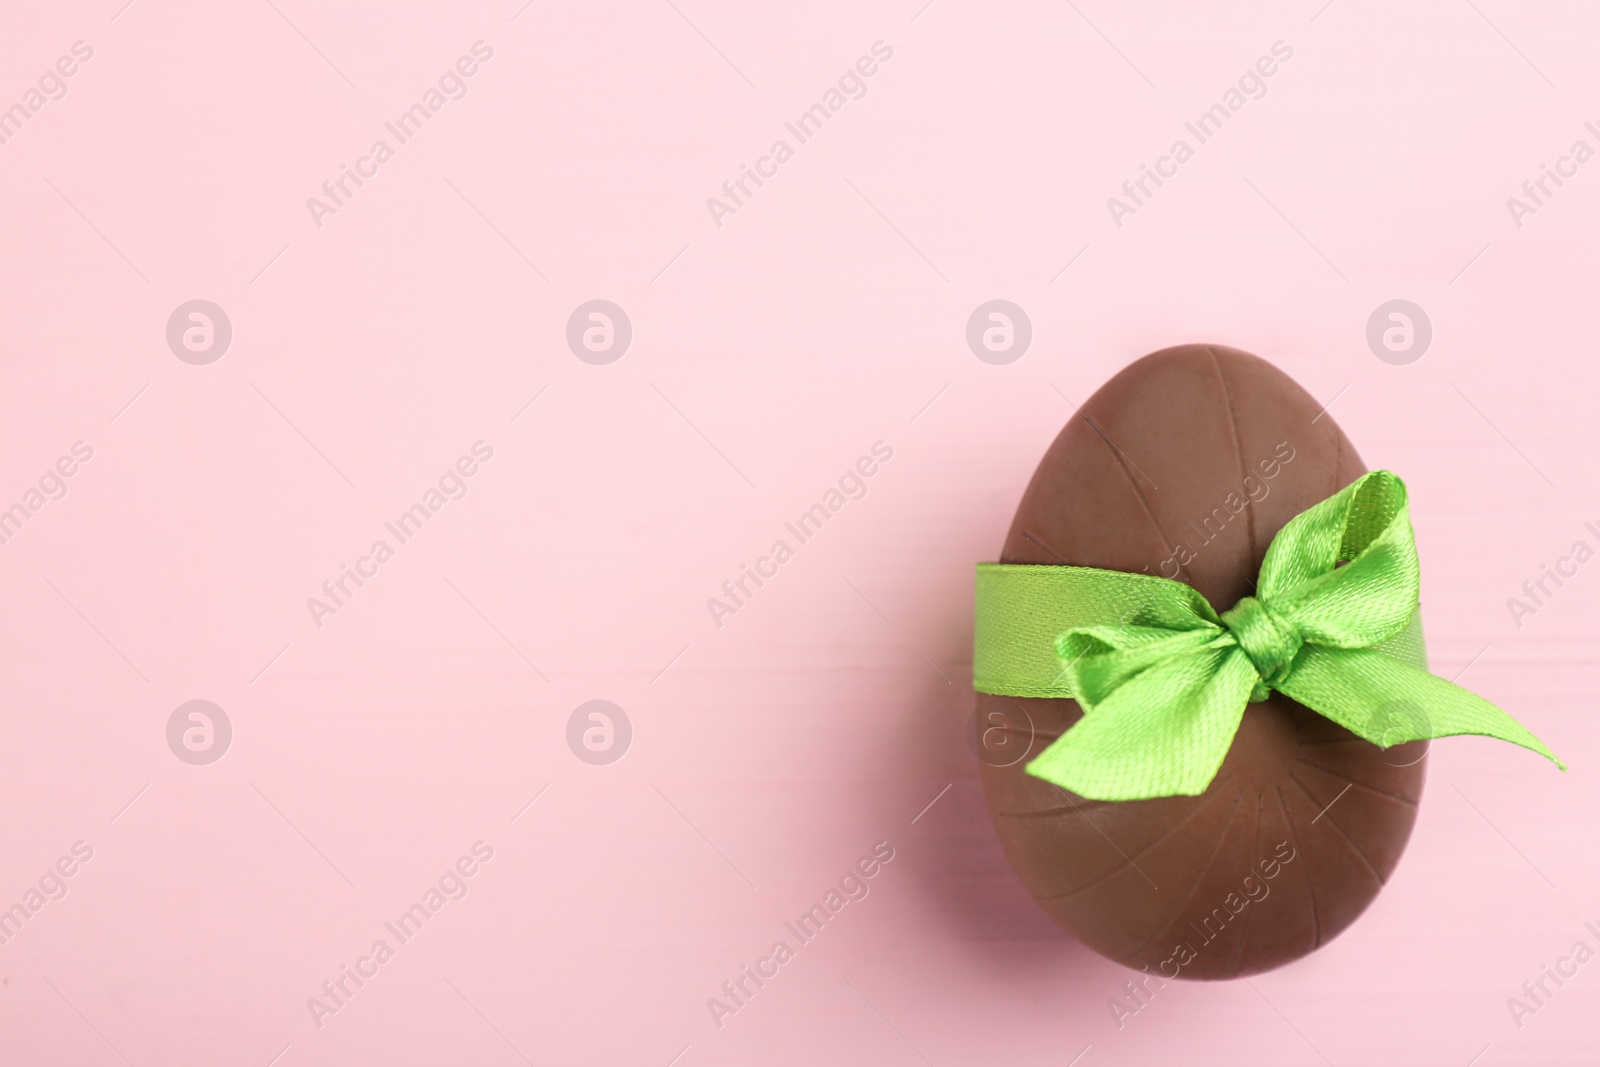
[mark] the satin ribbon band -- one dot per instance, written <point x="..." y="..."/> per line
<point x="1163" y="679"/>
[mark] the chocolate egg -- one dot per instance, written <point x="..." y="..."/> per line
<point x="1186" y="464"/>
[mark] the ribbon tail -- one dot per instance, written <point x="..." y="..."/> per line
<point x="1389" y="702"/>
<point x="1163" y="732"/>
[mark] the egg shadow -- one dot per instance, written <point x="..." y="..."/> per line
<point x="960" y="868"/>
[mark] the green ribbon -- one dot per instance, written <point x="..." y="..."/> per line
<point x="1163" y="680"/>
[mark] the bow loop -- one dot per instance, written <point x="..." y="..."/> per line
<point x="1345" y="571"/>
<point x="1164" y="680"/>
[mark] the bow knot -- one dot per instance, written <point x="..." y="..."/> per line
<point x="1269" y="641"/>
<point x="1163" y="680"/>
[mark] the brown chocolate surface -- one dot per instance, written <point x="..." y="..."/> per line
<point x="1186" y="464"/>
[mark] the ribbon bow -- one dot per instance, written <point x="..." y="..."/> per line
<point x="1163" y="679"/>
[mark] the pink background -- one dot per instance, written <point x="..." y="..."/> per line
<point x="767" y="755"/>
